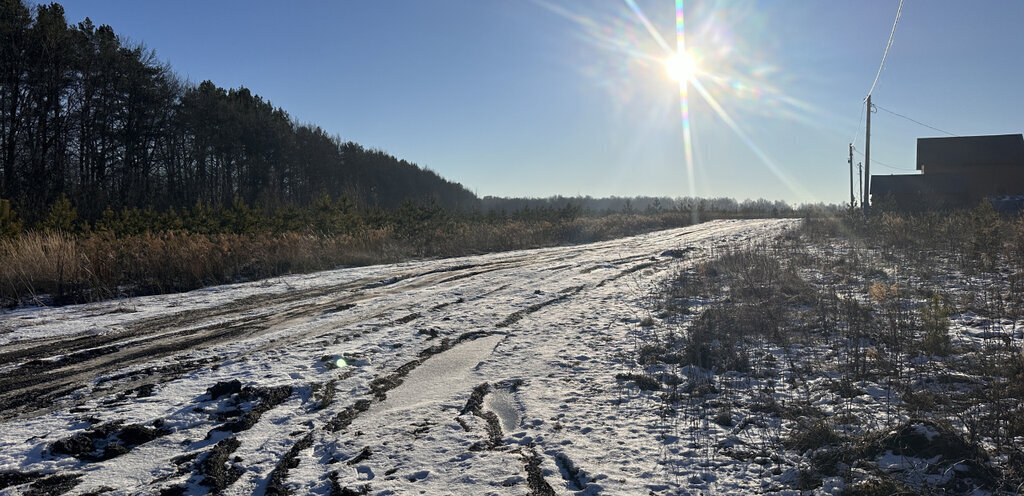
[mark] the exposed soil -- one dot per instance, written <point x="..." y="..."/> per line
<point x="10" y="478"/>
<point x="217" y="471"/>
<point x="275" y="484"/>
<point x="53" y="485"/>
<point x="106" y="441"/>
<point x="534" y="474"/>
<point x="265" y="399"/>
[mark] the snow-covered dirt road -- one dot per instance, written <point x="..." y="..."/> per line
<point x="492" y="374"/>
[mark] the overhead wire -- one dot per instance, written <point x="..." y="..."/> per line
<point x="883" y="164"/>
<point x="856" y="133"/>
<point x="915" y="121"/>
<point x="881" y="65"/>
<point x="887" y="46"/>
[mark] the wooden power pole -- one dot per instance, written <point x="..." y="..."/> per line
<point x="866" y="199"/>
<point x="852" y="201"/>
<point x="860" y="180"/>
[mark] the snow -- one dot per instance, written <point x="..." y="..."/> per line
<point x="442" y="376"/>
<point x="551" y="373"/>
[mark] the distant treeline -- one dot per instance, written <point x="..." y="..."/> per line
<point x="641" y="204"/>
<point x="327" y="217"/>
<point x="86" y="115"/>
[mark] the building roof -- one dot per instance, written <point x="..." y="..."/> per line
<point x="967" y="151"/>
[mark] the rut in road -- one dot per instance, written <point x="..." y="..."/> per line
<point x="46" y="370"/>
<point x="32" y="385"/>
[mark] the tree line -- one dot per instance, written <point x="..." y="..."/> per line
<point x="644" y="204"/>
<point x="86" y="116"/>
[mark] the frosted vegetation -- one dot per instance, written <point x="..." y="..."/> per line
<point x="852" y="357"/>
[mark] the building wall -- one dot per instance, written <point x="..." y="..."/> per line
<point x="990" y="181"/>
<point x="957" y="172"/>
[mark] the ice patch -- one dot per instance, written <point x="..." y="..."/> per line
<point x="504" y="406"/>
<point x="440" y="377"/>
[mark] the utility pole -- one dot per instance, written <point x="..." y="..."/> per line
<point x="860" y="180"/>
<point x="866" y="199"/>
<point x="852" y="204"/>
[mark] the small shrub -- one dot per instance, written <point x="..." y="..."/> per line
<point x="700" y="389"/>
<point x="936" y="343"/>
<point x="807" y="480"/>
<point x="877" y="486"/>
<point x="986" y="236"/>
<point x="812" y="435"/>
<point x="920" y="401"/>
<point x="715" y="340"/>
<point x="649" y="354"/>
<point x="723" y="419"/>
<point x="845" y="389"/>
<point x="924" y="439"/>
<point x="935" y="321"/>
<point x="642" y="381"/>
<point x="62" y="216"/>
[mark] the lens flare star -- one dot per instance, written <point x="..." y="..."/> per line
<point x="726" y="66"/>
<point x="681" y="67"/>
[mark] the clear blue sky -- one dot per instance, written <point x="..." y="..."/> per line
<point x="544" y="97"/>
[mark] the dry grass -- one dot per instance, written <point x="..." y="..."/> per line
<point x="59" y="268"/>
<point x="39" y="263"/>
<point x="69" y="269"/>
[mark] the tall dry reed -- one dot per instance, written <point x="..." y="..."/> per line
<point x="57" y="268"/>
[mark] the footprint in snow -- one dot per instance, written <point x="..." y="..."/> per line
<point x="365" y="473"/>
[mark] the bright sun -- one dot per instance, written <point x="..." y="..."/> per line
<point x="681" y="67"/>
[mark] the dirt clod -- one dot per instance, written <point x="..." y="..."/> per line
<point x="362" y="455"/>
<point x="346" y="416"/>
<point x="267" y="398"/>
<point x="222" y="389"/>
<point x="54" y="484"/>
<point x="217" y="474"/>
<point x="10" y="478"/>
<point x="534" y="475"/>
<point x="106" y="441"/>
<point x="144" y="391"/>
<point x="275" y="485"/>
<point x="476" y="399"/>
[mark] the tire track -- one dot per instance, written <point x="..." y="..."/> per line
<point x="337" y="423"/>
<point x="40" y="348"/>
<point x="516" y="316"/>
<point x="31" y="387"/>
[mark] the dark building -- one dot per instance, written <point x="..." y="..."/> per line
<point x="957" y="172"/>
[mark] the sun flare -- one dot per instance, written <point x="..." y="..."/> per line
<point x="681" y="67"/>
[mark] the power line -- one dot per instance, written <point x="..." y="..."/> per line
<point x="887" y="46"/>
<point x="883" y="164"/>
<point x="915" y="121"/>
<point x="860" y="120"/>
